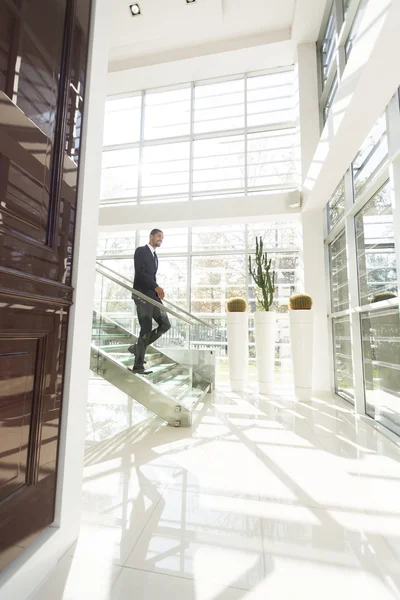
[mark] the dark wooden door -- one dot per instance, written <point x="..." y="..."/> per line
<point x="43" y="55"/>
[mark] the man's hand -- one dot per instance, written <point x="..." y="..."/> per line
<point x="160" y="292"/>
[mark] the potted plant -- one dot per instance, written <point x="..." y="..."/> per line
<point x="237" y="326"/>
<point x="264" y="319"/>
<point x="301" y="341"/>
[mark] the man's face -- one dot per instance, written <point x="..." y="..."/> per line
<point x="157" y="239"/>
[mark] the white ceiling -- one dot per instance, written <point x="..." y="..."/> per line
<point x="172" y="29"/>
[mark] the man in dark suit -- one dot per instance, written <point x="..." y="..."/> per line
<point x="146" y="266"/>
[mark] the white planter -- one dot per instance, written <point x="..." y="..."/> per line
<point x="301" y="341"/>
<point x="265" y="333"/>
<point x="237" y="325"/>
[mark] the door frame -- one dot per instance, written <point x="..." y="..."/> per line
<point x="28" y="571"/>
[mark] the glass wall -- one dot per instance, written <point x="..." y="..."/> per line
<point x="339" y="31"/>
<point x="202" y="140"/>
<point x="363" y="252"/>
<point x="202" y="267"/>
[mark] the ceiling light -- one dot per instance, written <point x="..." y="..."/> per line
<point x="190" y="1"/>
<point x="135" y="9"/>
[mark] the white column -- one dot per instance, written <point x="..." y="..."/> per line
<point x="26" y="573"/>
<point x="313" y="253"/>
<point x="308" y="108"/>
<point x="315" y="285"/>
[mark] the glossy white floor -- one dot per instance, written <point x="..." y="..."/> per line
<point x="263" y="498"/>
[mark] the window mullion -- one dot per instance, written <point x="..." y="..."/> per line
<point x="245" y="138"/>
<point x="393" y="128"/>
<point x="140" y="169"/>
<point x="191" y="143"/>
<point x="355" y="324"/>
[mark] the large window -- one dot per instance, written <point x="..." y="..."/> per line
<point x="376" y="248"/>
<point x="381" y="354"/>
<point x="204" y="140"/>
<point x="202" y="267"/>
<point x="339" y="31"/>
<point x="342" y="355"/>
<point x="339" y="274"/>
<point x="362" y="246"/>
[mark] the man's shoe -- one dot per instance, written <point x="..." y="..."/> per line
<point x="132" y="349"/>
<point x="140" y="371"/>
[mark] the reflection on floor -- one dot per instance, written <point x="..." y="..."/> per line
<point x="263" y="498"/>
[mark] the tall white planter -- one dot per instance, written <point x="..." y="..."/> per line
<point x="238" y="349"/>
<point x="301" y="341"/>
<point x="265" y="332"/>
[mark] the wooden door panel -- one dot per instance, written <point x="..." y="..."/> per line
<point x="17" y="377"/>
<point x="43" y="54"/>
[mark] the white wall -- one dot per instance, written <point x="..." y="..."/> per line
<point x="267" y="56"/>
<point x="26" y="573"/>
<point x="371" y="77"/>
<point x="201" y="212"/>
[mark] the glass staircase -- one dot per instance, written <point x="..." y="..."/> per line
<point x="181" y="375"/>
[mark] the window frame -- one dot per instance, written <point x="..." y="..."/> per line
<point x="192" y="137"/>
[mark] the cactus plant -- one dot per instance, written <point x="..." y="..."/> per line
<point x="262" y="275"/>
<point x="236" y="305"/>
<point x="300" y="302"/>
<point x="380" y="296"/>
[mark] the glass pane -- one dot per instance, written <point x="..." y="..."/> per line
<point x="376" y="248"/>
<point x="111" y="242"/>
<point x="206" y="239"/>
<point x="270" y="99"/>
<point x="122" y="266"/>
<point x="165" y="171"/>
<point x="339" y="274"/>
<point x="344" y="381"/>
<point x="271" y="159"/>
<point x="346" y="4"/>
<point x="370" y="159"/>
<point x="336" y="206"/>
<point x="219" y="106"/>
<point x="119" y="176"/>
<point x="214" y="280"/>
<point x="175" y="240"/>
<point x="122" y="121"/>
<point x="275" y="235"/>
<point x="381" y="348"/>
<point x="167" y="113"/>
<point x="328" y="48"/>
<point x="330" y="98"/>
<point x="218" y="165"/>
<point x="355" y="28"/>
<point x="173" y="277"/>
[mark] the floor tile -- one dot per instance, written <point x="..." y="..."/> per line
<point x="74" y="579"/>
<point x="202" y="536"/>
<point x="143" y="585"/>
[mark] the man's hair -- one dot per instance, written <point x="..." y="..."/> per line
<point x="154" y="231"/>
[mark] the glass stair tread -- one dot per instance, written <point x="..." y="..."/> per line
<point x="191" y="398"/>
<point x="109" y="335"/>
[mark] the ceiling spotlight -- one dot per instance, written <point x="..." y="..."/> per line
<point x="135" y="9"/>
<point x="190" y="1"/>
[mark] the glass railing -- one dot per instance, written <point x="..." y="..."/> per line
<point x="177" y="374"/>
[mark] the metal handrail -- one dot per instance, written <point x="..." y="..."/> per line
<point x="144" y="297"/>
<point x="164" y="299"/>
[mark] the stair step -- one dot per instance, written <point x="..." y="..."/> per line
<point x="126" y="346"/>
<point x="110" y="335"/>
<point x="193" y="396"/>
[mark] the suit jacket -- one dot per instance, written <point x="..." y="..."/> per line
<point x="146" y="266"/>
